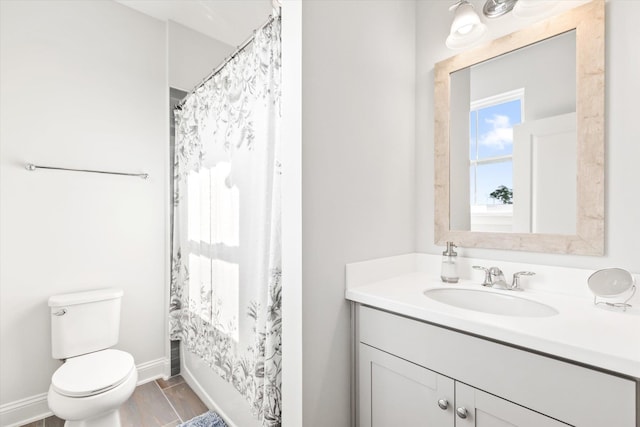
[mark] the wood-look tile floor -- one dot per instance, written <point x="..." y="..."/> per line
<point x="154" y="404"/>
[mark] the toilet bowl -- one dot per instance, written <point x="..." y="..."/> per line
<point x="88" y="390"/>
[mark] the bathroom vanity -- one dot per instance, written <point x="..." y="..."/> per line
<point x="422" y="361"/>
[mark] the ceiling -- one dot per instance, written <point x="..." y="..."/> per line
<point x="230" y="21"/>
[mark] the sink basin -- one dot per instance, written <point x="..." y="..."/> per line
<point x="490" y="302"/>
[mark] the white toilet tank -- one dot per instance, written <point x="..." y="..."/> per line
<point x="84" y="322"/>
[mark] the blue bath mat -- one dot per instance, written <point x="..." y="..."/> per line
<point x="208" y="419"/>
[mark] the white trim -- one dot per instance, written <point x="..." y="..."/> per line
<point x="24" y="411"/>
<point x="203" y="395"/>
<point x="153" y="370"/>
<point x="500" y="98"/>
<point x="489" y="160"/>
<point x="34" y="408"/>
<point x="168" y="206"/>
<point x="292" y="386"/>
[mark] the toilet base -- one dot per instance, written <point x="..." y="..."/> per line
<point x="110" y="419"/>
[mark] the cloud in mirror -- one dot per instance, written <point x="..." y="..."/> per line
<point x="501" y="132"/>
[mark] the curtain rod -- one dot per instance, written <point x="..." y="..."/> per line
<point x="219" y="68"/>
<point x="32" y="167"/>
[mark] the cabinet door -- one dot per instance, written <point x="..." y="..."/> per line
<point x="394" y="392"/>
<point x="486" y="410"/>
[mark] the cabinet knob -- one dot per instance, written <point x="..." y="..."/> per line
<point x="462" y="412"/>
<point x="443" y="404"/>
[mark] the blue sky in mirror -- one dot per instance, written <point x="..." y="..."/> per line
<point x="491" y="136"/>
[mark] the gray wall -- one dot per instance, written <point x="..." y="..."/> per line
<point x="358" y="141"/>
<point x="459" y="206"/>
<point x="622" y="227"/>
<point x="192" y="55"/>
<point x="545" y="70"/>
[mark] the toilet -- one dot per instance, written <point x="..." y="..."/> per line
<point x="88" y="389"/>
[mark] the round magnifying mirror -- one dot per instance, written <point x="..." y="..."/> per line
<point x="610" y="282"/>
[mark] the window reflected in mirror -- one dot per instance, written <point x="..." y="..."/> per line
<point x="491" y="123"/>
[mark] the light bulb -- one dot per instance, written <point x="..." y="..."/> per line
<point x="465" y="29"/>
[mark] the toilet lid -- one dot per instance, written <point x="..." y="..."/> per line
<point x="92" y="373"/>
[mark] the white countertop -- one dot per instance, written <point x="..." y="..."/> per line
<point x="580" y="331"/>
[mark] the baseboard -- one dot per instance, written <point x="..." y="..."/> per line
<point x="24" y="411"/>
<point x="34" y="408"/>
<point x="203" y="395"/>
<point x="154" y="369"/>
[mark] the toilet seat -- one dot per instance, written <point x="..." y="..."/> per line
<point x="92" y="373"/>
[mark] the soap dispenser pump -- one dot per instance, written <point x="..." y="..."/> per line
<point x="449" y="273"/>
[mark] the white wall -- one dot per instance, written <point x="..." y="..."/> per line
<point x="192" y="55"/>
<point x="291" y="131"/>
<point x="622" y="129"/>
<point x="84" y="85"/>
<point x="358" y="139"/>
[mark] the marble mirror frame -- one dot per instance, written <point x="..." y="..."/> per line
<point x="588" y="22"/>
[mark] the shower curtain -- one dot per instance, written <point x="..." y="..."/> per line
<point x="226" y="267"/>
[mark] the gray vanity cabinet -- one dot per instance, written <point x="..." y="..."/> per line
<point x="412" y="373"/>
<point x="395" y="392"/>
<point x="486" y="410"/>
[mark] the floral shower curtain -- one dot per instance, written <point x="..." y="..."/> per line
<point x="225" y="281"/>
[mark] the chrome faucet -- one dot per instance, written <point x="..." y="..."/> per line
<point x="489" y="274"/>
<point x="497" y="278"/>
<point x="515" y="284"/>
<point x="494" y="278"/>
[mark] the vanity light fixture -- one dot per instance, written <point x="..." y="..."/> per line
<point x="496" y="8"/>
<point x="466" y="28"/>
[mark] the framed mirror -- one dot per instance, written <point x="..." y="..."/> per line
<point x="519" y="139"/>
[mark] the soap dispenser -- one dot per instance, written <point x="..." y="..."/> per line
<point x="449" y="273"/>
